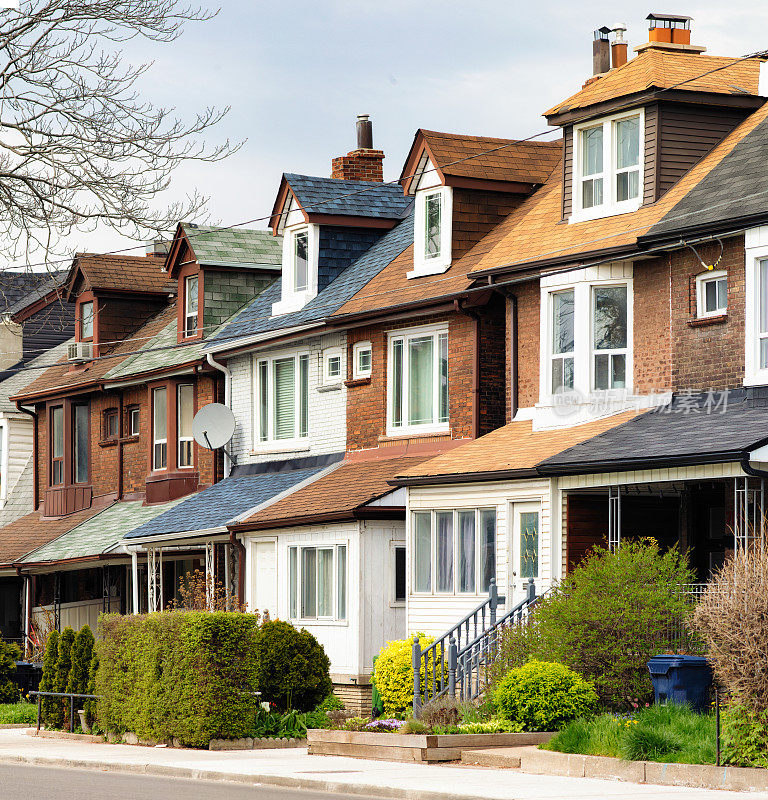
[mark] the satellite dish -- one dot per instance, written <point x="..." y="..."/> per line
<point x="213" y="426"/>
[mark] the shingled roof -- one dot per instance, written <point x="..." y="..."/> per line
<point x="124" y="273"/>
<point x="664" y="69"/>
<point x="233" y="246"/>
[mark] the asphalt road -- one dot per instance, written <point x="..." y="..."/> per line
<point x="25" y="782"/>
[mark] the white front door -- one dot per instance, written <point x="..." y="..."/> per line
<point x="526" y="548"/>
<point x="264" y="573"/>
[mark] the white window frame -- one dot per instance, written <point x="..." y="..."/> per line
<point x="357" y="349"/>
<point x="155" y="440"/>
<point x="330" y="354"/>
<point x="582" y="282"/>
<point x="91" y="319"/>
<point x="291" y="299"/>
<point x="394" y="546"/>
<point x="610" y="352"/>
<point x="440" y="263"/>
<point x="192" y="330"/>
<point x="480" y="590"/>
<point x="406" y="335"/>
<point x="181" y="440"/>
<point x="134" y="412"/>
<point x="335" y="617"/>
<point x="610" y="205"/>
<point x="270" y="442"/>
<point x="4" y="447"/>
<point x="701" y="299"/>
<point x="756" y="246"/>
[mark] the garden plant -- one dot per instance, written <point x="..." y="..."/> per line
<point x="9" y="654"/>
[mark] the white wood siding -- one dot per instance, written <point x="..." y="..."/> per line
<point x="18" y="482"/>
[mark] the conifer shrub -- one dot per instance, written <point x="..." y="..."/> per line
<point x="184" y="675"/>
<point x="89" y="706"/>
<point x="292" y="669"/>
<point x="60" y="713"/>
<point x="48" y="678"/>
<point x="9" y="655"/>
<point x="82" y="652"/>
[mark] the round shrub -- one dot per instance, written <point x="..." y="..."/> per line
<point x="292" y="669"/>
<point x="9" y="655"/>
<point x="544" y="696"/>
<point x="393" y="673"/>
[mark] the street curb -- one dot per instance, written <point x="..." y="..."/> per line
<point x="281" y="781"/>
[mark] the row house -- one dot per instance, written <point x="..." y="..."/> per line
<point x="635" y="305"/>
<point x="113" y="421"/>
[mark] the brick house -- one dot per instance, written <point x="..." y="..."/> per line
<point x="114" y="444"/>
<point x="635" y="369"/>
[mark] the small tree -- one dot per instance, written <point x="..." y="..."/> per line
<point x="63" y="667"/>
<point x="9" y="655"/>
<point x="82" y="652"/>
<point x="90" y="705"/>
<point x="48" y="679"/>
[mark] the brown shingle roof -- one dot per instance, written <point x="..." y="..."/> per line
<point x="125" y="273"/>
<point x="32" y="531"/>
<point x="660" y="69"/>
<point x="349" y="486"/>
<point x="535" y="232"/>
<point x="527" y="162"/>
<point x="516" y="446"/>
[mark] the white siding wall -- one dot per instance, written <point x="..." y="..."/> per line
<point x="436" y="613"/>
<point x="75" y="615"/>
<point x="327" y="408"/>
<point x="19" y="480"/>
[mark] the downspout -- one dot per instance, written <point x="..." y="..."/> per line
<point x="227" y="399"/>
<point x="240" y="547"/>
<point x="513" y="367"/>
<point x="120" y="448"/>
<point x="475" y="365"/>
<point x="750" y="470"/>
<point x="35" y="424"/>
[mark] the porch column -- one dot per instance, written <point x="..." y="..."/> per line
<point x="155" y="578"/>
<point x="27" y="607"/>
<point x="227" y="581"/>
<point x="57" y="601"/>
<point x="614" y="517"/>
<point x="748" y="512"/>
<point x="135" y="581"/>
<point x="210" y="575"/>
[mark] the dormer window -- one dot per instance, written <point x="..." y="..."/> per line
<point x="86" y="321"/>
<point x="432" y="231"/>
<point x="300" y="261"/>
<point x="607" y="167"/>
<point x="190" y="305"/>
<point x="299" y="276"/>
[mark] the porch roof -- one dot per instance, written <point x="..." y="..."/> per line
<point x="509" y="452"/>
<point x="242" y="493"/>
<point x="97" y="535"/>
<point x="692" y="429"/>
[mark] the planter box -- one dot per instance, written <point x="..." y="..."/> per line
<point x="413" y="747"/>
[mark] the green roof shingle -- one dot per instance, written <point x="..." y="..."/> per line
<point x="234" y="245"/>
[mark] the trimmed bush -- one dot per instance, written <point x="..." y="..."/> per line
<point x="90" y="705"/>
<point x="393" y="673"/>
<point x="82" y="652"/>
<point x="544" y="696"/>
<point x="60" y="713"/>
<point x="9" y="655"/>
<point x="48" y="678"/>
<point x="291" y="668"/>
<point x="184" y="675"/>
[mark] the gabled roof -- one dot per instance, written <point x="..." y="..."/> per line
<point x="662" y="69"/>
<point x="233" y="246"/>
<point x="256" y="319"/>
<point x="19" y="290"/>
<point x="482" y="158"/>
<point x="511" y="451"/>
<point x="121" y="273"/>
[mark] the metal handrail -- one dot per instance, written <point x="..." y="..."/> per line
<point x="71" y="696"/>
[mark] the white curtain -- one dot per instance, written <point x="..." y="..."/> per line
<point x="466" y="551"/>
<point x="444" y="525"/>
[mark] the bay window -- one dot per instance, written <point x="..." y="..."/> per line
<point x="81" y="442"/>
<point x="609" y="337"/>
<point x="69" y="444"/>
<point x="57" y="446"/>
<point x="418" y="381"/>
<point x="184" y="414"/>
<point x="607" y="166"/>
<point x="190" y="305"/>
<point x="282" y="391"/>
<point x="317" y="582"/>
<point x="160" y="428"/>
<point x="454" y="550"/>
<point x="562" y="341"/>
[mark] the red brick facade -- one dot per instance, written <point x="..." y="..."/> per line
<point x="359" y="165"/>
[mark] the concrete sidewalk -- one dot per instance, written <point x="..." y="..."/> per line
<point x="294" y="768"/>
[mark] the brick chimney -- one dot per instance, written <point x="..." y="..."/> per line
<point x="364" y="163"/>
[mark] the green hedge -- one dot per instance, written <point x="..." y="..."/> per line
<point x="185" y="675"/>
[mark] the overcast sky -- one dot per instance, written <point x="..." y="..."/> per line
<point x="297" y="73"/>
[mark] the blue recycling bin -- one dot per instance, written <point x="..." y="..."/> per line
<point x="684" y="680"/>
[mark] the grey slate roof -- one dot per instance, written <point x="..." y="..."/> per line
<point x="737" y="187"/>
<point x="99" y="534"/>
<point x="234" y="245"/>
<point x="350" y="198"/>
<point x="223" y="502"/>
<point x="21" y="289"/>
<point x="257" y="317"/>
<point x="682" y="431"/>
<point x="20" y="379"/>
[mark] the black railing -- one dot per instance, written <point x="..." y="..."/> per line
<point x="71" y="696"/>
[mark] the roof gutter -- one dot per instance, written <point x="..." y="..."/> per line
<point x="257" y="338"/>
<point x="627" y="464"/>
<point x="466" y="477"/>
<point x="376" y="512"/>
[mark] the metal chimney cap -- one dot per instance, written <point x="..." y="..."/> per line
<point x="363" y="116"/>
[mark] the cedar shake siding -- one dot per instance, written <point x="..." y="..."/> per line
<point x="225" y="292"/>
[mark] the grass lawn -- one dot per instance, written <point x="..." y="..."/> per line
<point x="670" y="734"/>
<point x="17" y="713"/>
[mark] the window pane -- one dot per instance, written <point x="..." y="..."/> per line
<point x="292" y="581"/>
<point x="466" y="520"/>
<point x="442" y="342"/>
<point x="334" y="366"/>
<point x="263" y="401"/>
<point x="529" y="544"/>
<point x="610" y="317"/>
<point x="618" y="371"/>
<point x="134" y="421"/>
<point x="190" y="313"/>
<point x="400" y="575"/>
<point x="160" y="414"/>
<point x="81" y="439"/>
<point x="341" y="581"/>
<point x="562" y="322"/>
<point x="444" y="526"/>
<point x="432" y="223"/>
<point x="186" y="397"/>
<point x="363" y="361"/>
<point x="86" y="329"/>
<point x="422" y="535"/>
<point x="592" y="151"/>
<point x="764" y="296"/>
<point x="487" y="547"/>
<point x="710" y="296"/>
<point x="420" y="380"/>
<point x="602" y="365"/>
<point x="722" y="293"/>
<point x="304" y="395"/>
<point x="325" y="583"/>
<point x="397" y="381"/>
<point x="627" y="185"/>
<point x="57" y="432"/>
<point x="763" y="353"/>
<point x="628" y="143"/>
<point x="300" y="260"/>
<point x="308" y="582"/>
<point x="285" y="397"/>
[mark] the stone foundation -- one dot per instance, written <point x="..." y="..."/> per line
<point x="356" y="698"/>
